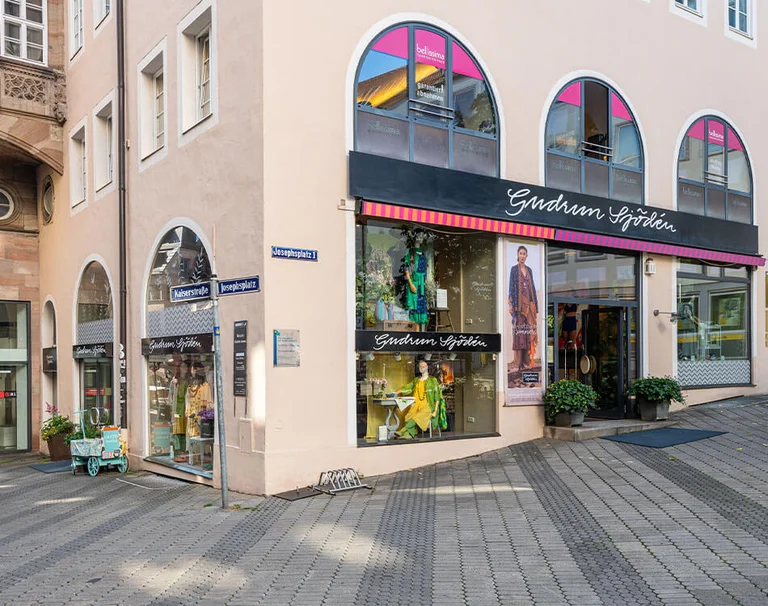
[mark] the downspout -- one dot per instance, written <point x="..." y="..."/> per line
<point x="121" y="196"/>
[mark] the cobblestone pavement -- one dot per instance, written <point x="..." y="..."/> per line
<point x="543" y="522"/>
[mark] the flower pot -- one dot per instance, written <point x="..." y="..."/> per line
<point x="58" y="450"/>
<point x="653" y="411"/>
<point x="569" y="419"/>
<point x="206" y="429"/>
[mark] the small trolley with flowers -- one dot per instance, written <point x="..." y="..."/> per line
<point x="95" y="453"/>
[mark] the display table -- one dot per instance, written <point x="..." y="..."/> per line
<point x="393" y="404"/>
<point x="200" y="444"/>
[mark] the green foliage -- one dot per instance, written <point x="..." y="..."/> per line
<point x="658" y="389"/>
<point x="56" y="425"/>
<point x="90" y="432"/>
<point x="568" y="396"/>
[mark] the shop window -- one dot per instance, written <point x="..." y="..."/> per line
<point x="586" y="274"/>
<point x="412" y="279"/>
<point x="421" y="97"/>
<point x="593" y="144"/>
<point x="14" y="376"/>
<point x="713" y="326"/>
<point x="714" y="174"/>
<point x="178" y="354"/>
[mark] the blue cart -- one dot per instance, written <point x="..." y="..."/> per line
<point x="95" y="453"/>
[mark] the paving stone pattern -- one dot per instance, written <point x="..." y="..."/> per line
<point x="545" y="522"/>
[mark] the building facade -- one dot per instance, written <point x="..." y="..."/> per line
<point x="447" y="208"/>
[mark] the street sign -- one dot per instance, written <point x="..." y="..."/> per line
<point x="300" y="254"/>
<point x="190" y="292"/>
<point x="239" y="286"/>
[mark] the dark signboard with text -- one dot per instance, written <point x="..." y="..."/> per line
<point x="49" y="360"/>
<point x="92" y="351"/>
<point x="183" y="344"/>
<point x="240" y="368"/>
<point x="415" y="185"/>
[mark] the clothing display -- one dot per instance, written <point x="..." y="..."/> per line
<point x="198" y="397"/>
<point x="416" y="275"/>
<point x="427" y="394"/>
<point x="569" y="321"/>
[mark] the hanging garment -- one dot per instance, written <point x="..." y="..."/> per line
<point x="416" y="302"/>
<point x="198" y="398"/>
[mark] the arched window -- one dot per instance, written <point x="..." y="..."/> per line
<point x="593" y="145"/>
<point x="714" y="177"/>
<point x="180" y="259"/>
<point x="421" y="97"/>
<point x="94" y="306"/>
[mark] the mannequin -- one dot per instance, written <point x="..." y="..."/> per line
<point x="428" y="406"/>
<point x="415" y="275"/>
<point x="198" y="397"/>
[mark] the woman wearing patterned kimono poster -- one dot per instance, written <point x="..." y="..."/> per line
<point x="524" y="309"/>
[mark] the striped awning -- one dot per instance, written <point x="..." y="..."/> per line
<point x="431" y="217"/>
<point x="416" y="215"/>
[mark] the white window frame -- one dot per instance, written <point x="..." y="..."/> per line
<point x="696" y="15"/>
<point x="78" y="164"/>
<point x="76" y="27"/>
<point x="158" y="109"/>
<point x="104" y="144"/>
<point x="196" y="25"/>
<point x="24" y="24"/>
<point x="11" y="206"/>
<point x="102" y="13"/>
<point x="748" y="38"/>
<point x="154" y="63"/>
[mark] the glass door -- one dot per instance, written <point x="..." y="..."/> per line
<point x="13" y="407"/>
<point x="97" y="390"/>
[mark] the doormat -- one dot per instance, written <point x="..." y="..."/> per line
<point x="298" y="493"/>
<point x="54" y="466"/>
<point x="664" y="437"/>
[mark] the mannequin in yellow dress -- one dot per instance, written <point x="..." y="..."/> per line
<point x="428" y="404"/>
<point x="198" y="397"/>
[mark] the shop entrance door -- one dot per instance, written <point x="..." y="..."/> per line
<point x="596" y="346"/>
<point x="97" y="390"/>
<point x="13" y="407"/>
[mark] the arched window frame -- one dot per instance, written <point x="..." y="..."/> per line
<point x="12" y="211"/>
<point x="419" y="113"/>
<point x="584" y="147"/>
<point x="711" y="181"/>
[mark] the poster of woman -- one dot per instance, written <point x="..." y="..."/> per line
<point x="523" y="326"/>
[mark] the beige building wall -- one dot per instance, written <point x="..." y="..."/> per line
<point x="270" y="169"/>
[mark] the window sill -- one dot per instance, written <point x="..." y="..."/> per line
<point x="690" y="11"/>
<point x="77" y="203"/>
<point x="104" y="185"/>
<point x="152" y="153"/>
<point x="372" y="443"/>
<point x="101" y="21"/>
<point x="198" y="123"/>
<point x="75" y="54"/>
<point x="738" y="32"/>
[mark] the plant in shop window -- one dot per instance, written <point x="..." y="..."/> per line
<point x="375" y="288"/>
<point x="377" y="386"/>
<point x="204" y="421"/>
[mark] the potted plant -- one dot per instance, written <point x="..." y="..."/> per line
<point x="54" y="432"/>
<point x="566" y="402"/>
<point x="205" y="422"/>
<point x="654" y="395"/>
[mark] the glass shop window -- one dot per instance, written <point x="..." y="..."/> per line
<point x="414" y="278"/>
<point x="424" y="396"/>
<point x="713" y="326"/>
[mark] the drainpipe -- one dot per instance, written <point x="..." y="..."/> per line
<point x="121" y="196"/>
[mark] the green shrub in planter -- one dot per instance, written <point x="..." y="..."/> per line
<point x="568" y="396"/>
<point x="90" y="432"/>
<point x="657" y="389"/>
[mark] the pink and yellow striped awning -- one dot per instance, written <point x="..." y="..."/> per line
<point x="431" y="217"/>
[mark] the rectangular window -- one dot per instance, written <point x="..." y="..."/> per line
<point x="203" y="75"/>
<point x="689" y="4"/>
<point x="24" y="30"/>
<point x="103" y="149"/>
<point x="159" y="110"/>
<point x="738" y="15"/>
<point x="78" y="167"/>
<point x="713" y="326"/>
<point x="152" y="111"/>
<point x="101" y="10"/>
<point x="197" y="68"/>
<point x="77" y="25"/>
<point x="411" y="279"/>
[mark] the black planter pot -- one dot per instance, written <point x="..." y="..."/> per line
<point x="206" y="429"/>
<point x="569" y="419"/>
<point x="653" y="411"/>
